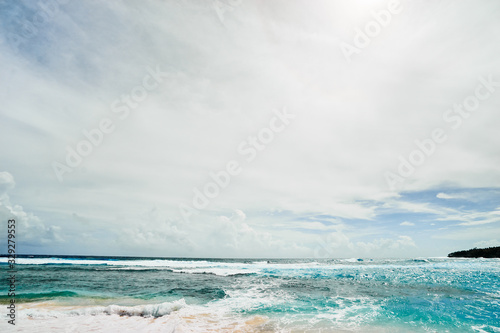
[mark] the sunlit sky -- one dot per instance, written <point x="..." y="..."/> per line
<point x="240" y="128"/>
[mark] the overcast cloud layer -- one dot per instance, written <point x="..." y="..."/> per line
<point x="327" y="139"/>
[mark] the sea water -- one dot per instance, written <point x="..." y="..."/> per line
<point x="83" y="294"/>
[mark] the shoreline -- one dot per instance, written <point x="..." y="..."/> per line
<point x="390" y="295"/>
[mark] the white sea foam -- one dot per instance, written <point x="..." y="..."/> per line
<point x="352" y="301"/>
<point x="184" y="266"/>
<point x="352" y="260"/>
<point x="145" y="310"/>
<point x="216" y="271"/>
<point x="165" y="317"/>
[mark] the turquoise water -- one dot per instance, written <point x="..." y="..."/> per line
<point x="392" y="295"/>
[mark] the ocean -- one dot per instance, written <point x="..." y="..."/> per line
<point x="89" y="294"/>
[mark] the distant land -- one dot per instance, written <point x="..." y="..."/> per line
<point x="489" y="252"/>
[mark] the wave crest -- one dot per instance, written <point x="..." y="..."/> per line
<point x="146" y="310"/>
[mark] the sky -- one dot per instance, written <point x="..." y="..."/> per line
<point x="238" y="128"/>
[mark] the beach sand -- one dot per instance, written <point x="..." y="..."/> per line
<point x="49" y="316"/>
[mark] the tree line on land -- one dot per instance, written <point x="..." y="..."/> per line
<point x="489" y="252"/>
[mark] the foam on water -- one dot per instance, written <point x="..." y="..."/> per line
<point x="388" y="295"/>
<point x="216" y="271"/>
<point x="165" y="317"/>
<point x="56" y="311"/>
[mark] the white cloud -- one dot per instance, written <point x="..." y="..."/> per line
<point x="31" y="232"/>
<point x="487" y="243"/>
<point x="390" y="247"/>
<point x="416" y="207"/>
<point x="469" y="196"/>
<point x="406" y="223"/>
<point x="338" y="244"/>
<point x="352" y="121"/>
<point x="473" y="218"/>
<point x="470" y="234"/>
<point x="6" y="183"/>
<point x="442" y="195"/>
<point x="218" y="236"/>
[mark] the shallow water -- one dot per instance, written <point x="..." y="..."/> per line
<point x="227" y="295"/>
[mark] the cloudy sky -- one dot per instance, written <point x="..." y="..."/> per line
<point x="238" y="128"/>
